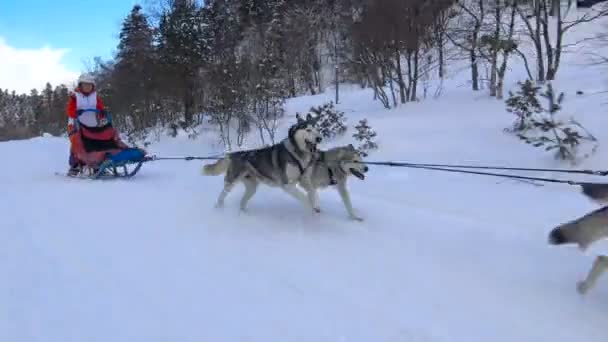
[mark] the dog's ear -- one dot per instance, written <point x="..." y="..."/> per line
<point x="299" y="118"/>
<point x="351" y="147"/>
<point x="311" y="119"/>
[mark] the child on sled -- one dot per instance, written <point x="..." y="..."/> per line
<point x="93" y="139"/>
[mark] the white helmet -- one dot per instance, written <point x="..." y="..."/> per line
<point x="86" y="78"/>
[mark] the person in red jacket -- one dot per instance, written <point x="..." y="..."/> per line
<point x="89" y="127"/>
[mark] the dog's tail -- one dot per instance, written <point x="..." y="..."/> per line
<point x="217" y="168"/>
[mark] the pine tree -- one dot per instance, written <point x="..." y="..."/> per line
<point x="365" y="136"/>
<point x="329" y="120"/>
<point x="524" y="104"/>
<point x="37" y="105"/>
<point x="133" y="74"/>
<point x="46" y="118"/>
<point x="182" y="49"/>
<point x="554" y="134"/>
<point x="58" y="116"/>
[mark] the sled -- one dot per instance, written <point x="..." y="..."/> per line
<point x="124" y="164"/>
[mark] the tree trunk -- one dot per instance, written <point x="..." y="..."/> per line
<point x="474" y="70"/>
<point x="440" y="46"/>
<point x="414" y="87"/>
<point x="495" y="49"/>
<point x="400" y="76"/>
<point x="409" y="75"/>
<point x="547" y="39"/>
<point x="555" y="8"/>
<point x="473" y="56"/>
<point x="554" y="65"/>
<point x="538" y="43"/>
<point x="391" y="82"/>
<point x="503" y="68"/>
<point x="337" y="69"/>
<point x="188" y="107"/>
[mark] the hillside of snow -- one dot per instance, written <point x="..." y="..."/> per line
<point x="439" y="257"/>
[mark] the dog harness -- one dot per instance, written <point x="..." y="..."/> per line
<point x="292" y="158"/>
<point x="330" y="172"/>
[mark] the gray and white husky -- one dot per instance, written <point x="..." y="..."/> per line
<point x="332" y="168"/>
<point x="281" y="165"/>
<point x="586" y="230"/>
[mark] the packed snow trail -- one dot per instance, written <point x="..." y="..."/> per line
<point x="450" y="258"/>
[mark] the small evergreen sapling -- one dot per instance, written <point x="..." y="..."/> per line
<point x="329" y="120"/>
<point x="555" y="134"/>
<point x="524" y="104"/>
<point x="365" y="136"/>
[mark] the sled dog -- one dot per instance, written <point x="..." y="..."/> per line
<point x="332" y="168"/>
<point x="596" y="192"/>
<point x="584" y="231"/>
<point x="280" y="165"/>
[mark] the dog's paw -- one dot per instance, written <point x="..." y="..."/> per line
<point x="581" y="287"/>
<point x="582" y="247"/>
<point x="316" y="210"/>
<point x="356" y="218"/>
<point x="219" y="205"/>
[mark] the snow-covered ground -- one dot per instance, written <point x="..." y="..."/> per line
<point x="439" y="257"/>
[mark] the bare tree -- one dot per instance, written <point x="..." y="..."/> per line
<point x="548" y="46"/>
<point x="507" y="47"/>
<point x="498" y="44"/>
<point x="392" y="35"/>
<point x="439" y="38"/>
<point x="465" y="33"/>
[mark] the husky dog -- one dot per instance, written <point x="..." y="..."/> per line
<point x="332" y="168"/>
<point x="584" y="231"/>
<point x="596" y="192"/>
<point x="280" y="165"/>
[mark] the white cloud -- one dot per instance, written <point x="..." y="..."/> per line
<point x="25" y="69"/>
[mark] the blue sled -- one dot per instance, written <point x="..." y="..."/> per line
<point x="116" y="165"/>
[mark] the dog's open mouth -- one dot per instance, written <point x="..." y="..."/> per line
<point x="311" y="146"/>
<point x="357" y="174"/>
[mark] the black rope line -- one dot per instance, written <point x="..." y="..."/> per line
<point x="402" y="164"/>
<point x="550" y="180"/>
<point x="449" y="168"/>
<point x="154" y="158"/>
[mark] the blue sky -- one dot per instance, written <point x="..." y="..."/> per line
<point x="75" y="30"/>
